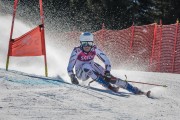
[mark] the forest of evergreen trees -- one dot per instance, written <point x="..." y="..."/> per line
<point x="115" y="14"/>
<point x="118" y="14"/>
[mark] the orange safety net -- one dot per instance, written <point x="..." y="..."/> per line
<point x="115" y="43"/>
<point x="177" y="52"/>
<point x="149" y="47"/>
<point x="166" y="53"/>
<point x="167" y="47"/>
<point x="142" y="46"/>
<point x="155" y="54"/>
<point x="29" y="44"/>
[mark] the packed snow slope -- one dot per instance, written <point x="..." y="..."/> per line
<point x="30" y="97"/>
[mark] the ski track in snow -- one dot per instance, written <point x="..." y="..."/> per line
<point x="23" y="97"/>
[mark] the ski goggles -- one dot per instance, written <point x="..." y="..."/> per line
<point x="86" y="43"/>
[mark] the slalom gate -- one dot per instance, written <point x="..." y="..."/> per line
<point x="31" y="43"/>
<point x="153" y="47"/>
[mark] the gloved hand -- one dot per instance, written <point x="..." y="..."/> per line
<point x="107" y="76"/>
<point x="74" y="79"/>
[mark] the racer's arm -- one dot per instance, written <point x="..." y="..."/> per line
<point x="102" y="56"/>
<point x="72" y="61"/>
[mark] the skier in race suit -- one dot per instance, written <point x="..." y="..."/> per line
<point x="82" y="58"/>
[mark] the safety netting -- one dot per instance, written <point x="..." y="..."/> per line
<point x="176" y="68"/>
<point x="150" y="47"/>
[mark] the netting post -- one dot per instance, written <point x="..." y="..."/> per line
<point x="103" y="29"/>
<point x="103" y="26"/>
<point x="11" y="33"/>
<point x="132" y="37"/>
<point x="153" y="44"/>
<point x="160" y="43"/>
<point x="43" y="37"/>
<point x="175" y="42"/>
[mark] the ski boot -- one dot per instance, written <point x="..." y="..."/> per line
<point x="106" y="84"/>
<point x="128" y="87"/>
<point x="134" y="90"/>
<point x="113" y="88"/>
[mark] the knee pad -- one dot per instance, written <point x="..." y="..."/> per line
<point x="87" y="67"/>
<point x="121" y="83"/>
<point x="101" y="81"/>
<point x="89" y="71"/>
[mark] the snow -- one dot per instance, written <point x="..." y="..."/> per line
<point x="28" y="96"/>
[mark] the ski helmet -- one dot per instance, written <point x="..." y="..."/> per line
<point x="86" y="37"/>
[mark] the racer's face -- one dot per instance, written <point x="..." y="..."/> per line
<point x="86" y="45"/>
<point x="87" y="48"/>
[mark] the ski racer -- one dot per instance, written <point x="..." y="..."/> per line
<point x="82" y="58"/>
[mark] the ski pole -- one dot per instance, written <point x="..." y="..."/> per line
<point x="147" y="83"/>
<point x="113" y="78"/>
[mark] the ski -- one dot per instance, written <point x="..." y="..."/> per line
<point x="104" y="93"/>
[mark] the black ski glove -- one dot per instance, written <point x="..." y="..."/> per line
<point x="74" y="79"/>
<point x="107" y="76"/>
